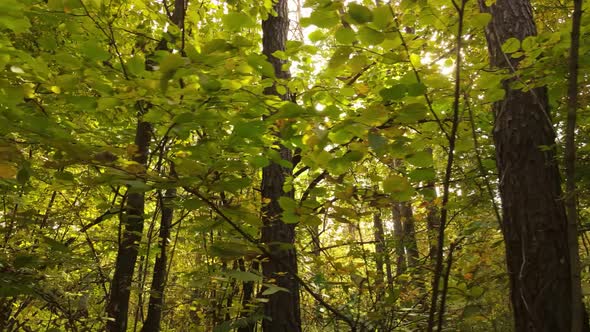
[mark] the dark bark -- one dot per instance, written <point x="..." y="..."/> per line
<point x="247" y="294"/>
<point x="570" y="171"/>
<point x="432" y="225"/>
<point x="409" y="234"/>
<point x="154" y="314"/>
<point x="132" y="229"/>
<point x="379" y="236"/>
<point x="398" y="237"/>
<point x="534" y="220"/>
<point x="282" y="309"/>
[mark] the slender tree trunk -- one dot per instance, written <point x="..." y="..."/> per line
<point x="379" y="236"/>
<point x="247" y="294"/>
<point x="534" y="220"/>
<point x="132" y="229"/>
<point x="570" y="171"/>
<point x="409" y="233"/>
<point x="282" y="309"/>
<point x="154" y="314"/>
<point x="432" y="225"/>
<point x="398" y="236"/>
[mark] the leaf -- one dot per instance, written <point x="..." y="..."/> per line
<point x="235" y="21"/>
<point x="412" y="112"/>
<point x="243" y="276"/>
<point x="340" y="57"/>
<point x="396" y="92"/>
<point x="136" y="65"/>
<point x="287" y="204"/>
<point x="259" y="63"/>
<point x="193" y="204"/>
<point x="316" y="36"/>
<point x="480" y="20"/>
<point x="94" y="51"/>
<point x="7" y="171"/>
<point x="168" y="68"/>
<point x="395" y="184"/>
<point x="359" y="13"/>
<point x="370" y="36"/>
<point x="323" y="18"/>
<point x="382" y="17"/>
<point x="345" y="36"/>
<point x="271" y="289"/>
<point x="23" y="175"/>
<point x="511" y="45"/>
<point x="420" y="159"/>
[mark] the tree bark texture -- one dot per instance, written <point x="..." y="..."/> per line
<point x="379" y="236"/>
<point x="398" y="236"/>
<point x="132" y="229"/>
<point x="156" y="303"/>
<point x="282" y="309"/>
<point x="578" y="309"/>
<point x="534" y="220"/>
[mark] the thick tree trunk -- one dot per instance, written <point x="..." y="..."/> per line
<point x="154" y="315"/>
<point x="534" y="221"/>
<point x="132" y="229"/>
<point x="282" y="309"/>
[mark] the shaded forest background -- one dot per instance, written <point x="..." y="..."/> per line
<point x="249" y="165"/>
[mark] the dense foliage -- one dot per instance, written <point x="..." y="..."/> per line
<point x="389" y="118"/>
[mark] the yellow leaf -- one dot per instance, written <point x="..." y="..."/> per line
<point x="7" y="171"/>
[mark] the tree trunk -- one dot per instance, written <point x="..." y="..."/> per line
<point x="534" y="221"/>
<point x="379" y="236"/>
<point x="247" y="294"/>
<point x="154" y="314"/>
<point x="282" y="309"/>
<point x="398" y="236"/>
<point x="409" y="233"/>
<point x="132" y="229"/>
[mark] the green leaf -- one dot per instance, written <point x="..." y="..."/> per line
<point x="359" y="13"/>
<point x="396" y="92"/>
<point x="370" y="36"/>
<point x="258" y="161"/>
<point x="345" y="36"/>
<point x="244" y="276"/>
<point x="168" y="68"/>
<point x="136" y="65"/>
<point x="193" y="204"/>
<point x="511" y="45"/>
<point x="235" y="21"/>
<point x="422" y="174"/>
<point x="340" y="57"/>
<point x="480" y="20"/>
<point x="412" y="112"/>
<point x="271" y="289"/>
<point x="382" y="17"/>
<point x="287" y="204"/>
<point x="395" y="184"/>
<point x="324" y="18"/>
<point x="94" y="51"/>
<point x="420" y="159"/>
<point x="23" y="175"/>
<point x="259" y="63"/>
<point x="529" y="44"/>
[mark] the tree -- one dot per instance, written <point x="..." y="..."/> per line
<point x="282" y="309"/>
<point x="534" y="220"/>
